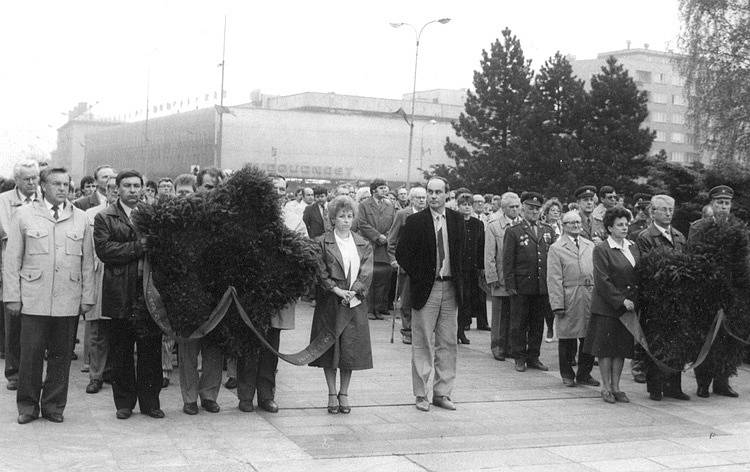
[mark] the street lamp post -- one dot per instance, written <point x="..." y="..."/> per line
<point x="418" y="36"/>
<point x="421" y="143"/>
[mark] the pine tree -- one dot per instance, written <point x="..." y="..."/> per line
<point x="493" y="120"/>
<point x="615" y="144"/>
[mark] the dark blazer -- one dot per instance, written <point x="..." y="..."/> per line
<point x="117" y="245"/>
<point x="84" y="203"/>
<point x="331" y="271"/>
<point x="614" y="279"/>
<point x="525" y="258"/>
<point x="651" y="238"/>
<point x="416" y="253"/>
<point x="314" y="220"/>
<point x="373" y="220"/>
<point x="393" y="234"/>
<point x="474" y="252"/>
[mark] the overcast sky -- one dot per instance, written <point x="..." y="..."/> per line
<point x="55" y="54"/>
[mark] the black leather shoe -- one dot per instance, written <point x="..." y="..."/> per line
<point x="655" y="396"/>
<point x="499" y="355"/>
<point x="210" y="406"/>
<point x="12" y="384"/>
<point x="520" y="365"/>
<point x="591" y="382"/>
<point x="94" y="386"/>
<point x="74" y="357"/>
<point x="443" y="402"/>
<point x="231" y="383"/>
<point x="156" y="413"/>
<point x="639" y="378"/>
<point x="484" y="328"/>
<point x="53" y="417"/>
<point x="678" y="396"/>
<point x="123" y="413"/>
<point x="26" y="418"/>
<point x="703" y="392"/>
<point x="247" y="407"/>
<point x="164" y="382"/>
<point x="537" y="364"/>
<point x="726" y="391"/>
<point x="190" y="408"/>
<point x="462" y="339"/>
<point x="569" y="382"/>
<point x="269" y="405"/>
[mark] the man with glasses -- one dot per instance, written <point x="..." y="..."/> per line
<point x="660" y="233"/>
<point x="607" y="200"/>
<point x="570" y="283"/>
<point x="26" y="175"/>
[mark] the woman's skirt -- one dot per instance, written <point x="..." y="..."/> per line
<point x="608" y="337"/>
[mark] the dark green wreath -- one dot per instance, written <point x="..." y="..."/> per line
<point x="680" y="294"/>
<point x="233" y="235"/>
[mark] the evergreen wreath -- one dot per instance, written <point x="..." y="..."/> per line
<point x="233" y="235"/>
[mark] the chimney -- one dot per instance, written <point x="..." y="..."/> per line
<point x="628" y="43"/>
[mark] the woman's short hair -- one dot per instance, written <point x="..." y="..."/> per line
<point x="342" y="202"/>
<point x="87" y="179"/>
<point x="184" y="180"/>
<point x="549" y="204"/>
<point x="362" y="193"/>
<point x="465" y="198"/>
<point x="612" y="214"/>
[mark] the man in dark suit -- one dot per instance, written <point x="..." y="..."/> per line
<point x="525" y="247"/>
<point x="98" y="197"/>
<point x="660" y="233"/>
<point x="315" y="216"/>
<point x="430" y="250"/>
<point x="374" y="221"/>
<point x="721" y="204"/>
<point x="418" y="199"/>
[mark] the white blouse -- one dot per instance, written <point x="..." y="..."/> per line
<point x="625" y="249"/>
<point x="350" y="256"/>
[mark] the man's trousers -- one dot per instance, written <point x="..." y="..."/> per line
<point x="566" y="353"/>
<point x="403" y="289"/>
<point x="96" y="338"/>
<point x="500" y="328"/>
<point x="57" y="335"/>
<point x="527" y="325"/>
<point x="377" y="298"/>
<point x="439" y="316"/>
<point x="207" y="384"/>
<point x="135" y="382"/>
<point x="13" y="346"/>
<point x="258" y="373"/>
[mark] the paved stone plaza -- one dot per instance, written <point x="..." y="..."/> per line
<point x="505" y="421"/>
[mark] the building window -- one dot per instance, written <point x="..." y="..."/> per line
<point x="678" y="100"/>
<point x="678" y="156"/>
<point x="662" y="78"/>
<point x="661" y="136"/>
<point x="678" y="118"/>
<point x="643" y="76"/>
<point x="678" y="81"/>
<point x="659" y="98"/>
<point x="659" y="117"/>
<point x="690" y="139"/>
<point x="678" y="138"/>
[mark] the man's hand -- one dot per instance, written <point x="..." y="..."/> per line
<point x="512" y="292"/>
<point x="394" y="264"/>
<point x="13" y="308"/>
<point x="382" y="240"/>
<point x="629" y="305"/>
<point x="559" y="313"/>
<point x="496" y="285"/>
<point x="87" y="307"/>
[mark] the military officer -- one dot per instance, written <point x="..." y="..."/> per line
<point x="525" y="247"/>
<point x="585" y="198"/>
<point x="642" y="217"/>
<point x="721" y="203"/>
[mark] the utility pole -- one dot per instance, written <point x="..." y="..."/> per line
<point x="220" y="130"/>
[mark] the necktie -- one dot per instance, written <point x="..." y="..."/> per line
<point x="55" y="215"/>
<point x="440" y="246"/>
<point x="575" y="240"/>
<point x="533" y="229"/>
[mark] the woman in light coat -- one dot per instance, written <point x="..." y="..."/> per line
<point x="570" y="283"/>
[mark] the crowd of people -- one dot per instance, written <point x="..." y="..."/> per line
<point x="435" y="257"/>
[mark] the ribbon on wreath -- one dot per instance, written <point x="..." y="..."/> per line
<point x="633" y="325"/>
<point x="322" y="342"/>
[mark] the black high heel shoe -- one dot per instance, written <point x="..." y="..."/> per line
<point x="343" y="409"/>
<point x="332" y="409"/>
<point x="462" y="339"/>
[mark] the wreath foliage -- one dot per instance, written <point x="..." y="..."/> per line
<point x="232" y="235"/>
<point x="680" y="294"/>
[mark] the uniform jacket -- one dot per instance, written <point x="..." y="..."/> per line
<point x="49" y="265"/>
<point x="525" y="258"/>
<point x="393" y="234"/>
<point x="331" y="271"/>
<point x="651" y="238"/>
<point x="84" y="203"/>
<point x="698" y="226"/>
<point x="416" y="253"/>
<point x="570" y="283"/>
<point x="493" y="252"/>
<point x="314" y="220"/>
<point x="118" y="247"/>
<point x="375" y="219"/>
<point x="614" y="280"/>
<point x="592" y="228"/>
<point x="635" y="229"/>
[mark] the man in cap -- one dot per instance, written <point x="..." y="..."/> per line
<point x="375" y="219"/>
<point x="525" y="247"/>
<point x="660" y="233"/>
<point x="721" y="203"/>
<point x="642" y="217"/>
<point x="585" y="199"/>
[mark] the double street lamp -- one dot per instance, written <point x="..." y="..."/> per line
<point x="418" y="36"/>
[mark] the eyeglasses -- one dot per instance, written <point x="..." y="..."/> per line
<point x="574" y="223"/>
